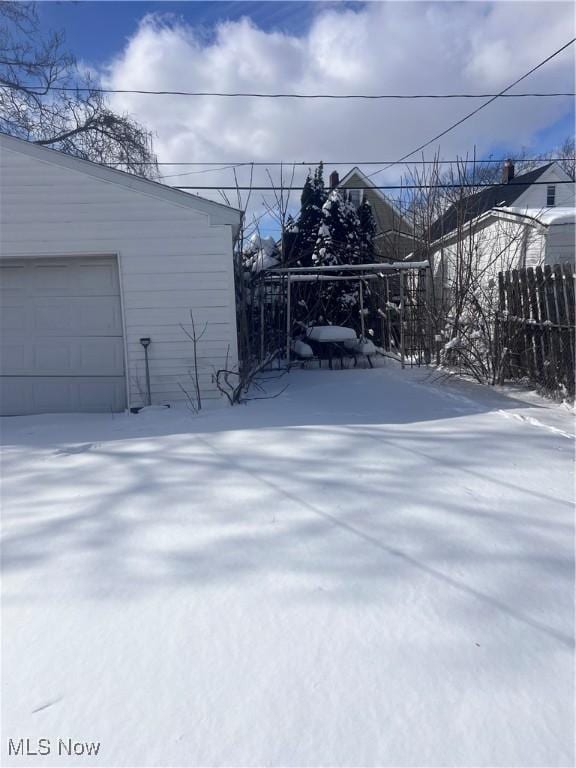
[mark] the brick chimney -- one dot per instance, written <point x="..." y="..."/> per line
<point x="508" y="172"/>
<point x="334" y="179"/>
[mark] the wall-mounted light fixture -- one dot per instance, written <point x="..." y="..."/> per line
<point x="146" y="343"/>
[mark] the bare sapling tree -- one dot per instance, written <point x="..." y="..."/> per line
<point x="279" y="211"/>
<point x="194" y="395"/>
<point x="46" y="99"/>
<point x="462" y="303"/>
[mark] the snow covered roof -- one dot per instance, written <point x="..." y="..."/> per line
<point x="544" y="216"/>
<point x="486" y="199"/>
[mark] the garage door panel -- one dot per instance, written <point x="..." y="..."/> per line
<point x="16" y="356"/>
<point x="50" y="316"/>
<point x="52" y="395"/>
<point x="98" y="315"/>
<point x="53" y="357"/>
<point x="99" y="395"/>
<point x="87" y="315"/>
<point x="13" y="280"/>
<point x="100" y="279"/>
<point x="62" y="343"/>
<point x="47" y="280"/>
<point x="14" y="318"/>
<point x="61" y="395"/>
<point x="16" y="396"/>
<point x="101" y="356"/>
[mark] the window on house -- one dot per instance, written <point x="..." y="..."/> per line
<point x="550" y="195"/>
<point x="356" y="197"/>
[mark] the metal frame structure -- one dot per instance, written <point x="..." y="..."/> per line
<point x="406" y="281"/>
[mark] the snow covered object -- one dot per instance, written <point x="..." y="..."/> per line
<point x="261" y="253"/>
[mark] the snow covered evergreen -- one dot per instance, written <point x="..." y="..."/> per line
<point x="260" y="253"/>
<point x="330" y="230"/>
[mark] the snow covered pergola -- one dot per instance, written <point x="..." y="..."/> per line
<point x="287" y="276"/>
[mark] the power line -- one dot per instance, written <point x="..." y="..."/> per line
<point x="255" y="95"/>
<point x="240" y="165"/>
<point x="289" y="163"/>
<point x="482" y="106"/>
<point x="385" y="186"/>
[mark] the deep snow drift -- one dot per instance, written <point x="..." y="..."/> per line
<point x="369" y="570"/>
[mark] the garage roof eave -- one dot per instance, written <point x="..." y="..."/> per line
<point x="219" y="212"/>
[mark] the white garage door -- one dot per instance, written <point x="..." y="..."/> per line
<point x="61" y="336"/>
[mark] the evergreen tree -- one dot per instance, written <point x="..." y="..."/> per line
<point x="370" y="289"/>
<point x="339" y="242"/>
<point x="331" y="231"/>
<point x="302" y="241"/>
<point x="367" y="231"/>
<point x="311" y="201"/>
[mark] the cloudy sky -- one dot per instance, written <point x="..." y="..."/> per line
<point x="340" y="48"/>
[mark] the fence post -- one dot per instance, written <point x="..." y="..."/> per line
<point x="527" y="325"/>
<point x="401" y="319"/>
<point x="569" y="287"/>
<point x="499" y="332"/>
<point x="544" y="335"/>
<point x="288" y="320"/>
<point x="536" y="324"/>
<point x="566" y="352"/>
<point x="550" y="294"/>
<point x="361" y="292"/>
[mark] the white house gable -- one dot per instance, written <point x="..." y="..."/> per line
<point x="552" y="190"/>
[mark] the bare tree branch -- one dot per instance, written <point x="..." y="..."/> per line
<point x="32" y="65"/>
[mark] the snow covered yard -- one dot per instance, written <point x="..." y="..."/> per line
<point x="369" y="570"/>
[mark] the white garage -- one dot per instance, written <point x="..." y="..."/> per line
<point x="92" y="260"/>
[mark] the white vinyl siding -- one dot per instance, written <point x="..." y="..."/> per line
<point x="171" y="259"/>
<point x="504" y="244"/>
<point x="535" y="196"/>
<point x="560" y="240"/>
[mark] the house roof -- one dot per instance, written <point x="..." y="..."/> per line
<point x="221" y="213"/>
<point x="546" y="216"/>
<point x="368" y="183"/>
<point x="482" y="201"/>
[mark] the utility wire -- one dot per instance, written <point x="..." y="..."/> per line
<point x="240" y="165"/>
<point x="482" y="106"/>
<point x="288" y="163"/>
<point x="384" y="186"/>
<point x="254" y="95"/>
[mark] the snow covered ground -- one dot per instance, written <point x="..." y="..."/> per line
<point x="369" y="570"/>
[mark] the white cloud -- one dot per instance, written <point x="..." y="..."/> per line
<point x="379" y="48"/>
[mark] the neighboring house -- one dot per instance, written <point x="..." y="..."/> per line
<point x="546" y="187"/>
<point x="91" y="261"/>
<point x="394" y="234"/>
<point x="518" y="224"/>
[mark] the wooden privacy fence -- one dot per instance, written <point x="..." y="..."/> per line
<point x="536" y="326"/>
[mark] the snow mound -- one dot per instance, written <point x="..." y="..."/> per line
<point x="302" y="349"/>
<point x="331" y="333"/>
